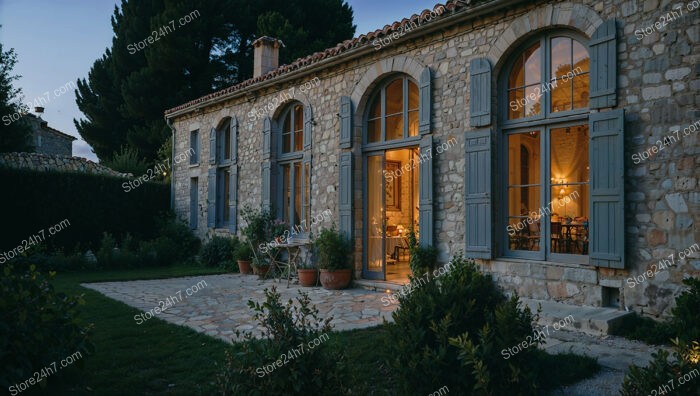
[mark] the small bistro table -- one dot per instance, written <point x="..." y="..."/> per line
<point x="294" y="252"/>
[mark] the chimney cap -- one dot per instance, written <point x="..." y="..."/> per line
<point x="268" y="40"/>
<point x="38" y="109"/>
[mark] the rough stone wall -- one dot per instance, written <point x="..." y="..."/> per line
<point x="52" y="144"/>
<point x="44" y="162"/>
<point x="657" y="85"/>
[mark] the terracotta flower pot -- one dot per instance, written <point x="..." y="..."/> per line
<point x="307" y="277"/>
<point x="244" y="267"/>
<point x="335" y="280"/>
<point x="262" y="271"/>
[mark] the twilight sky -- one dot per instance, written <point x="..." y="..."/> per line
<point x="57" y="42"/>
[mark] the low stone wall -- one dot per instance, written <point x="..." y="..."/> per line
<point x="60" y="163"/>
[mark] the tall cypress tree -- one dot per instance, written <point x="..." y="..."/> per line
<point x="197" y="47"/>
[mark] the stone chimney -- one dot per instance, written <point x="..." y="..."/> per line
<point x="266" y="56"/>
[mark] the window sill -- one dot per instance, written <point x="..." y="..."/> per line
<point x="541" y="262"/>
<point x="193" y="165"/>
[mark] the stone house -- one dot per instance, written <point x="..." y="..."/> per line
<point x="555" y="142"/>
<point x="47" y="140"/>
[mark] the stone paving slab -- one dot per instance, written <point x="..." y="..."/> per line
<point x="221" y="307"/>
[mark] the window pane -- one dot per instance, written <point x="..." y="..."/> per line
<point x="561" y="56"/>
<point x="287" y="193"/>
<point x="287" y="133"/>
<point x="394" y="127"/>
<point x="516" y="103"/>
<point x="524" y="158"/>
<point x="413" y="123"/>
<point x="569" y="189"/>
<point x="374" y="130"/>
<point x="297" y="193"/>
<point x="376" y="107"/>
<point x="527" y="68"/>
<point x="227" y="143"/>
<point x="581" y="59"/>
<point x="298" y="127"/>
<point x="581" y="90"/>
<point x="533" y="99"/>
<point x="394" y="97"/>
<point x="561" y="95"/>
<point x="412" y="96"/>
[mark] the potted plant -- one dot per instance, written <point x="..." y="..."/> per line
<point x="260" y="267"/>
<point x="334" y="259"/>
<point x="244" y="255"/>
<point x="308" y="274"/>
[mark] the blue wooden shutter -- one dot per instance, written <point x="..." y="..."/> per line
<point x="607" y="189"/>
<point x="477" y="194"/>
<point x="211" y="198"/>
<point x="479" y="92"/>
<point x="308" y="126"/>
<point x="234" y="140"/>
<point x="425" y="105"/>
<point x="345" y="194"/>
<point x="267" y="164"/>
<point x="603" y="51"/>
<point x="345" y="113"/>
<point x="212" y="146"/>
<point x="233" y="199"/>
<point x="267" y="139"/>
<point x="425" y="187"/>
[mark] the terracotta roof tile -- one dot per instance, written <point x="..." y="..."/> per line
<point x="338" y="49"/>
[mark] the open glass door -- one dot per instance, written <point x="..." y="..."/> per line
<point x="374" y="265"/>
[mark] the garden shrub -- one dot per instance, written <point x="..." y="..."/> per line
<point x="37" y="326"/>
<point x="287" y="329"/>
<point x="451" y="330"/>
<point x="93" y="204"/>
<point x="685" y="324"/>
<point x="217" y="252"/>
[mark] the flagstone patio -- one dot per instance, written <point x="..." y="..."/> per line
<point x="221" y="307"/>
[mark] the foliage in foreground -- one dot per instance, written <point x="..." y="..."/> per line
<point x="662" y="374"/>
<point x="282" y="362"/>
<point x="37" y="326"/>
<point x="451" y="331"/>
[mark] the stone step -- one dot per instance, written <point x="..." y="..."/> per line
<point x="590" y="320"/>
<point x="375" y="285"/>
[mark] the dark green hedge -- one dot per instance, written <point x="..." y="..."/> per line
<point x="93" y="204"/>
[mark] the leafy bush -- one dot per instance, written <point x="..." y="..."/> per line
<point x="648" y="330"/>
<point x="127" y="160"/>
<point x="244" y="252"/>
<point x="423" y="259"/>
<point x="686" y="317"/>
<point x="259" y="227"/>
<point x="334" y="250"/>
<point x="288" y="329"/>
<point x="37" y="325"/>
<point x="685" y="324"/>
<point x="217" y="252"/>
<point x="658" y="374"/>
<point x="452" y="330"/>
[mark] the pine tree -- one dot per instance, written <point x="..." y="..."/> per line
<point x="196" y="48"/>
<point x="14" y="132"/>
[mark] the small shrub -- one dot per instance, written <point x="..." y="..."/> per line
<point x="37" y="325"/>
<point x="217" y="252"/>
<point x="334" y="250"/>
<point x="648" y="330"/>
<point x="127" y="160"/>
<point x="244" y="252"/>
<point x="423" y="259"/>
<point x="685" y="323"/>
<point x="288" y="329"/>
<point x="451" y="330"/>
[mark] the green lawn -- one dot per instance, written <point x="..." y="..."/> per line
<point x="158" y="358"/>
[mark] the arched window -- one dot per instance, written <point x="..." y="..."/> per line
<point x="393" y="111"/>
<point x="294" y="173"/>
<point x="546" y="198"/>
<point x="549" y="77"/>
